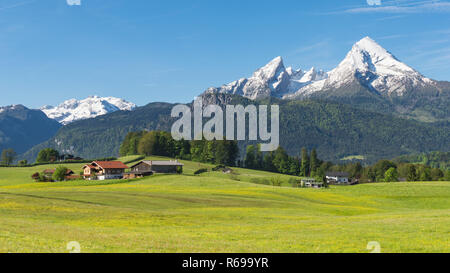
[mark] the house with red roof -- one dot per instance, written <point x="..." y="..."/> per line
<point x="103" y="170"/>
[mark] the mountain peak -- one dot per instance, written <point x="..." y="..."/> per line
<point x="367" y="56"/>
<point x="13" y="107"/>
<point x="271" y="69"/>
<point x="372" y="48"/>
<point x="372" y="66"/>
<point x="93" y="106"/>
<point x="367" y="41"/>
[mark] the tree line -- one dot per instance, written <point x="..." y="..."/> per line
<point x="308" y="164"/>
<point x="435" y="159"/>
<point x="162" y="144"/>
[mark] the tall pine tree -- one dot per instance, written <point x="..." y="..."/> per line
<point x="304" y="167"/>
<point x="313" y="162"/>
<point x="250" y="157"/>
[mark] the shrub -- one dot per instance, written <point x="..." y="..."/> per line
<point x="23" y="163"/>
<point x="36" y="177"/>
<point x="40" y="177"/>
<point x="200" y="171"/>
<point x="218" y="168"/>
<point x="294" y="182"/>
<point x="234" y="177"/>
<point x="275" y="181"/>
<point x="262" y="181"/>
<point x="60" y="173"/>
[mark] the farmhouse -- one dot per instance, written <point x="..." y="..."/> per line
<point x="103" y="170"/>
<point x="312" y="183"/>
<point x="337" y="178"/>
<point x="147" y="167"/>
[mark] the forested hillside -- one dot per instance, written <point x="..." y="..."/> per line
<point x="22" y="128"/>
<point x="336" y="131"/>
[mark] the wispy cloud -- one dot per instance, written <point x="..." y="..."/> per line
<point x="307" y="48"/>
<point x="15" y="5"/>
<point x="394" y="36"/>
<point x="413" y="7"/>
<point x="74" y="2"/>
<point x="401" y="7"/>
<point x="391" y="17"/>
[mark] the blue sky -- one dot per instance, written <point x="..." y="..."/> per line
<point x="147" y="51"/>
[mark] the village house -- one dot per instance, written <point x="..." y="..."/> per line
<point x="338" y="178"/>
<point x="312" y="183"/>
<point x="103" y="170"/>
<point x="148" y="167"/>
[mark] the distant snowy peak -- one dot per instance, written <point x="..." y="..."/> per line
<point x="12" y="108"/>
<point x="93" y="106"/>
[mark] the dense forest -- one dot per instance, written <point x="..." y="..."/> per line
<point x="337" y="131"/>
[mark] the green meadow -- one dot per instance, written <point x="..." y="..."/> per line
<point x="217" y="212"/>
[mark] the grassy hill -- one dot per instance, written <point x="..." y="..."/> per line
<point x="214" y="212"/>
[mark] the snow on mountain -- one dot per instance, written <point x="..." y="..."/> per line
<point x="374" y="67"/>
<point x="367" y="63"/>
<point x="15" y="109"/>
<point x="93" y="106"/>
<point x="10" y="107"/>
<point x="301" y="79"/>
<point x="273" y="79"/>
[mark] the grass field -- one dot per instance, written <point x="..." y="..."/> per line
<point x="216" y="212"/>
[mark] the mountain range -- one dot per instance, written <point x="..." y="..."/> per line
<point x="371" y="106"/>
<point x="369" y="77"/>
<point x="91" y="107"/>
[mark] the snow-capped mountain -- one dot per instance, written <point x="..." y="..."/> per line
<point x="273" y="79"/>
<point x="93" y="106"/>
<point x="367" y="63"/>
<point x="369" y="77"/>
<point x="372" y="66"/>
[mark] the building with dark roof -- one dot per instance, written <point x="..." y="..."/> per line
<point x="338" y="178"/>
<point x="154" y="166"/>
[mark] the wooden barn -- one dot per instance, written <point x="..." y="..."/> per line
<point x="147" y="167"/>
